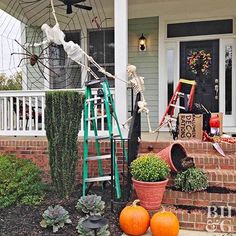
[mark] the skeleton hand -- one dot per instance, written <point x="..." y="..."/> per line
<point x="142" y="107"/>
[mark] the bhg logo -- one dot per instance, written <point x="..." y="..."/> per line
<point x="219" y="218"/>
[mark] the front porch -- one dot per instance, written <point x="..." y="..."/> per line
<point x="22" y="113"/>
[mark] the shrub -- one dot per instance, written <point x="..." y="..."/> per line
<point x="149" y="168"/>
<point x="191" y="180"/>
<point x="91" y="204"/>
<point x="19" y="182"/>
<point x="56" y="217"/>
<point x="82" y="230"/>
<point x="62" y="120"/>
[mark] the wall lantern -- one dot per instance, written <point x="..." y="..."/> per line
<point x="142" y="43"/>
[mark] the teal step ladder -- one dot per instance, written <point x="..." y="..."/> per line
<point x="104" y="96"/>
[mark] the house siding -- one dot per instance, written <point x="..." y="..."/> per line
<point x="35" y="80"/>
<point x="146" y="62"/>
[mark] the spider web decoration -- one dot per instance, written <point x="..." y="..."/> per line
<point x="24" y="46"/>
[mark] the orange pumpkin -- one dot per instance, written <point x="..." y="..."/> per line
<point x="164" y="223"/>
<point x="134" y="220"/>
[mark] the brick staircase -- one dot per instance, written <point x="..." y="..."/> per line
<point x="192" y="208"/>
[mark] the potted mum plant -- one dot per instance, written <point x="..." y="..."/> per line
<point x="149" y="177"/>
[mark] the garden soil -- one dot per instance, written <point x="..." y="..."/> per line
<point x="25" y="220"/>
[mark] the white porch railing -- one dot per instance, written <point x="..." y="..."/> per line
<point x="22" y="113"/>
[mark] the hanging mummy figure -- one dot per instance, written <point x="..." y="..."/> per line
<point x="137" y="83"/>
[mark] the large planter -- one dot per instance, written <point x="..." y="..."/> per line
<point x="150" y="194"/>
<point x="173" y="156"/>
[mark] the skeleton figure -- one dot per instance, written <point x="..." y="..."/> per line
<point x="137" y="83"/>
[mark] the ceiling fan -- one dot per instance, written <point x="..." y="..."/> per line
<point x="75" y="3"/>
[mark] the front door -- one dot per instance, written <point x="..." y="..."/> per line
<point x="199" y="60"/>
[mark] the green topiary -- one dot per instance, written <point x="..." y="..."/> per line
<point x="149" y="168"/>
<point x="19" y="182"/>
<point x="62" y="121"/>
<point x="191" y="180"/>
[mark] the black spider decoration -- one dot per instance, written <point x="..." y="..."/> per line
<point x="33" y="58"/>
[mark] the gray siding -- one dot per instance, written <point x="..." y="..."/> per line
<point x="35" y="80"/>
<point x="146" y="63"/>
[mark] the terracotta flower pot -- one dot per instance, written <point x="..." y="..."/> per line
<point x="173" y="155"/>
<point x="150" y="194"/>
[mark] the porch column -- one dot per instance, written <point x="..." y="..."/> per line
<point x="121" y="57"/>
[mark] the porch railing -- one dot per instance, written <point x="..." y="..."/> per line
<point x="22" y="113"/>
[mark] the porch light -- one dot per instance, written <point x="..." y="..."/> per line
<point x="142" y="43"/>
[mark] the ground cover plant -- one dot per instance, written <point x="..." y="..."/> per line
<point x="20" y="182"/>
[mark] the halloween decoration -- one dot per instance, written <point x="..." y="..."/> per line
<point x="134" y="220"/>
<point x="137" y="83"/>
<point x="164" y="223"/>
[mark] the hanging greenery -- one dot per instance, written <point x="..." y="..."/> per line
<point x="62" y="121"/>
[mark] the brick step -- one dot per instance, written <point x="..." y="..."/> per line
<point x="193" y="146"/>
<point x="222" y="178"/>
<point x="199" y="199"/>
<point x="217" y="178"/>
<point x="198" y="220"/>
<point x="214" y="161"/>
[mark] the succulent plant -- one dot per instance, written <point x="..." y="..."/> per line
<point x="90" y="204"/>
<point x="83" y="231"/>
<point x="149" y="168"/>
<point x="56" y="217"/>
<point x="191" y="180"/>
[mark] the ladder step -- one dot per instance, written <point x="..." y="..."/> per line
<point x="94" y="83"/>
<point x="93" y="99"/>
<point x="94" y="158"/>
<point x="180" y="107"/>
<point x="182" y="94"/>
<point x="102" y="137"/>
<point x="96" y="118"/>
<point x="98" y="179"/>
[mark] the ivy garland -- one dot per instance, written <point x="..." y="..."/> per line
<point x="199" y="60"/>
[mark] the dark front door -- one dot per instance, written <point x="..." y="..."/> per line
<point x="199" y="60"/>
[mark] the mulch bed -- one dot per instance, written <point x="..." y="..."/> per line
<point x="24" y="220"/>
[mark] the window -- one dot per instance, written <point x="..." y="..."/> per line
<point x="200" y="28"/>
<point x="101" y="48"/>
<point x="228" y="80"/>
<point x="64" y="73"/>
<point x="170" y="73"/>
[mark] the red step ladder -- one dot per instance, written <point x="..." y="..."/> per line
<point x="168" y="118"/>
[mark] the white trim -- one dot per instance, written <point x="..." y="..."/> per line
<point x="121" y="58"/>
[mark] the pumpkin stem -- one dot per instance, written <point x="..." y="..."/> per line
<point x="163" y="209"/>
<point x="135" y="202"/>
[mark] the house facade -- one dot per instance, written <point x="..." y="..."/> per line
<point x="184" y="39"/>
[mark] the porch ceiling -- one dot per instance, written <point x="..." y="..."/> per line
<point x="39" y="14"/>
<point x="25" y="12"/>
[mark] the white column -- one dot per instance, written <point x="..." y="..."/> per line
<point x="121" y="57"/>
